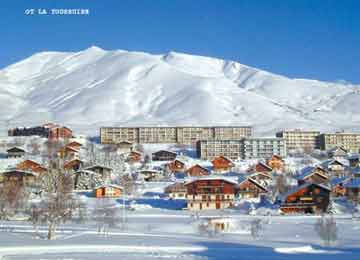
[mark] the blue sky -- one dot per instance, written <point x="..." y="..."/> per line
<point x="317" y="39"/>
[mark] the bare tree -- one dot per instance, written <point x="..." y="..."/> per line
<point x="255" y="228"/>
<point x="105" y="215"/>
<point x="327" y="229"/>
<point x="58" y="202"/>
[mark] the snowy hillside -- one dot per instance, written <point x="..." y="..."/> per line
<point x="95" y="87"/>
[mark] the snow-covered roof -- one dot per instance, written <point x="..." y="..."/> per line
<point x="325" y="164"/>
<point x="337" y="180"/>
<point x="307" y="172"/>
<point x="305" y="185"/>
<point x="352" y="183"/>
<point x="208" y="178"/>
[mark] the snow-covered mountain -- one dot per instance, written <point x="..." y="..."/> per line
<point x="94" y="87"/>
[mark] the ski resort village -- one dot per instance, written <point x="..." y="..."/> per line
<point x="189" y="192"/>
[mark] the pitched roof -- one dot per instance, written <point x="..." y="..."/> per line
<point x="208" y="178"/>
<point x="253" y="181"/>
<point x="308" y="171"/>
<point x="164" y="151"/>
<point x="15" y="149"/>
<point x="305" y="185"/>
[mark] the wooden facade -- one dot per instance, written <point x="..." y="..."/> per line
<point x="222" y="163"/>
<point x="73" y="165"/>
<point x="176" y="166"/>
<point x="250" y="188"/>
<point x="176" y="191"/>
<point x="21" y="177"/>
<point x="310" y="174"/>
<point x="15" y="152"/>
<point x="30" y="165"/>
<point x="163" y="155"/>
<point x="276" y="163"/>
<point x="108" y="191"/>
<point x="197" y="171"/>
<point x="210" y="193"/>
<point x="308" y="198"/>
<point x="134" y="157"/>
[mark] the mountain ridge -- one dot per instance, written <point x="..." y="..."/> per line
<point x="97" y="87"/>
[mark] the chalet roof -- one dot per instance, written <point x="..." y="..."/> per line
<point x="98" y="166"/>
<point x="197" y="165"/>
<point x="149" y="171"/>
<point x="85" y="171"/>
<point x="333" y="149"/>
<point x="223" y="157"/>
<point x="208" y="178"/>
<point x="124" y="143"/>
<point x="353" y="183"/>
<point x="260" y="173"/>
<point x="24" y="172"/>
<point x="15" y="150"/>
<point x="243" y="179"/>
<point x="327" y="163"/>
<point x="265" y="165"/>
<point x="74" y="143"/>
<point x="109" y="186"/>
<point x="164" y="151"/>
<point x="177" y="186"/>
<point x="305" y="185"/>
<point x="308" y="171"/>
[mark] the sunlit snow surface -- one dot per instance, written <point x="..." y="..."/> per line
<point x="94" y="87"/>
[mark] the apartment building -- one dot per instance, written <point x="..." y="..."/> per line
<point x="115" y="135"/>
<point x="348" y="141"/>
<point x="181" y="135"/>
<point x="245" y="148"/>
<point x="263" y="148"/>
<point x="210" y="149"/>
<point x="297" y="139"/>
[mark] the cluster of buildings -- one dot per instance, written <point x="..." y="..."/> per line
<point x="49" y="130"/>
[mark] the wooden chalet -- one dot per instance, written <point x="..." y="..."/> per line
<point x="15" y="152"/>
<point x="163" y="155"/>
<point x="338" y="186"/>
<point x="222" y="163"/>
<point x="337" y="152"/>
<point x="176" y="166"/>
<point x="261" y="177"/>
<point x="210" y="193"/>
<point x="176" y="190"/>
<point x="352" y="187"/>
<point x="68" y="152"/>
<point x="197" y="171"/>
<point x="250" y="188"/>
<point x="21" y="177"/>
<point x="59" y="132"/>
<point x="74" y="144"/>
<point x="309" y="198"/>
<point x="73" y="165"/>
<point x="103" y="171"/>
<point x="276" y="163"/>
<point x="354" y="160"/>
<point x="150" y="175"/>
<point x="108" y="191"/>
<point x="134" y="156"/>
<point x="312" y="174"/>
<point x="30" y="165"/>
<point x="334" y="166"/>
<point x="261" y="167"/>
